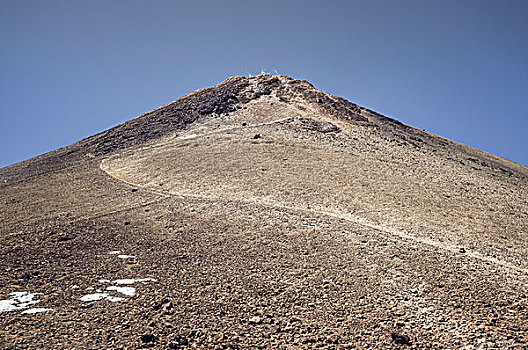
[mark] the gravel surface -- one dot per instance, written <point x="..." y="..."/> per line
<point x="264" y="214"/>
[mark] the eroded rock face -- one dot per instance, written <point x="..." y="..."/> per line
<point x="264" y="213"/>
<point x="226" y="97"/>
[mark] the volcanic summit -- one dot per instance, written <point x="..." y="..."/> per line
<point x="264" y="213"/>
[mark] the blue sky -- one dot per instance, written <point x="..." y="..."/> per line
<point x="69" y="69"/>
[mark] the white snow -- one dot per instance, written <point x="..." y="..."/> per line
<point x="125" y="281"/>
<point x="94" y="297"/>
<point x="123" y="256"/>
<point x="130" y="291"/>
<point x="24" y="298"/>
<point x="100" y="296"/>
<point x="36" y="310"/>
<point x="112" y="299"/>
<point x="8" y="305"/>
<point x="19" y="300"/>
<point x="114" y="252"/>
<point x="188" y="137"/>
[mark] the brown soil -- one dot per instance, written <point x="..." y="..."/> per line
<point x="271" y="215"/>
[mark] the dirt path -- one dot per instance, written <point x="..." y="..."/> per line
<point x="382" y="228"/>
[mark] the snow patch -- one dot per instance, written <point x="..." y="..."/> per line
<point x="123" y="256"/>
<point x="113" y="299"/>
<point x="36" y="310"/>
<point x="101" y="296"/>
<point x="130" y="291"/>
<point x="18" y="300"/>
<point x="8" y="305"/>
<point x="94" y="297"/>
<point x="188" y="137"/>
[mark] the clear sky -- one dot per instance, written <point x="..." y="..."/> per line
<point x="69" y="69"/>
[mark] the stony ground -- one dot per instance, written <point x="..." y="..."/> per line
<point x="267" y="215"/>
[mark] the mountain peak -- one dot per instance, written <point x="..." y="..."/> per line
<point x="263" y="202"/>
<point x="226" y="97"/>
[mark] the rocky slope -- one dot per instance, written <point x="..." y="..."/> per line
<point x="264" y="213"/>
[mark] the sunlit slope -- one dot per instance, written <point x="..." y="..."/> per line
<point x="297" y="156"/>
